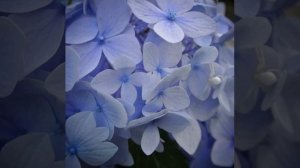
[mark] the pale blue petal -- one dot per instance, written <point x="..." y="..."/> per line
<point x="20" y="6"/>
<point x="78" y="126"/>
<point x="177" y="6"/>
<point x="128" y="93"/>
<point x="169" y="54"/>
<point x="150" y="57"/>
<point x="204" y="41"/>
<point x="107" y="81"/>
<point x="96" y="152"/>
<point x="222" y="153"/>
<point x="150" y="139"/>
<point x="72" y="67"/>
<point x="195" y="24"/>
<point x="146" y="119"/>
<point x="116" y="9"/>
<point x="169" y="81"/>
<point x="81" y="100"/>
<point x="122" y="47"/>
<point x="72" y="162"/>
<point x="190" y="137"/>
<point x="226" y="96"/>
<point x="44" y="30"/>
<point x="139" y="79"/>
<point x="203" y="110"/>
<point x="82" y="30"/>
<point x="172" y="122"/>
<point x="146" y="11"/>
<point x="205" y="55"/>
<point x="90" y="55"/>
<point x="169" y="31"/>
<point x="198" y="84"/>
<point x="130" y="108"/>
<point x="11" y="60"/>
<point x="222" y="126"/>
<point x="113" y="110"/>
<point x="176" y="98"/>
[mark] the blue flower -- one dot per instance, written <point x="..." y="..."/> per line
<point x="205" y="73"/>
<point x="86" y="141"/>
<point x="108" y="111"/>
<point x="173" y="20"/>
<point x="93" y="36"/>
<point x="109" y="81"/>
<point x="171" y="122"/>
<point x="167" y="94"/>
<point x="159" y="57"/>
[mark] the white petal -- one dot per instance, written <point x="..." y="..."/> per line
<point x="150" y="57"/>
<point x="178" y="6"/>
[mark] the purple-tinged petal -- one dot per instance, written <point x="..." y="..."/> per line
<point x="107" y="81"/>
<point x="150" y="139"/>
<point x="146" y="11"/>
<point x="177" y="6"/>
<point x="124" y="47"/>
<point x="195" y="24"/>
<point x="170" y="31"/>
<point x="113" y="16"/>
<point x="82" y="30"/>
<point x="176" y="98"/>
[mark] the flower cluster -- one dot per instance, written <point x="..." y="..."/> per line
<point x="135" y="68"/>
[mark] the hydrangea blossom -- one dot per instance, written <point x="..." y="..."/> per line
<point x="153" y="79"/>
<point x="173" y="20"/>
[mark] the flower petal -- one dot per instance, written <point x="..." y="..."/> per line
<point x="113" y="110"/>
<point x="82" y="30"/>
<point x="195" y="24"/>
<point x="177" y="6"/>
<point x="106" y="81"/>
<point x="203" y="110"/>
<point x="222" y="153"/>
<point x="125" y="47"/>
<point x="139" y="78"/>
<point x="89" y="60"/>
<point x="172" y="122"/>
<point x="150" y="139"/>
<point x="198" y="83"/>
<point x="190" y="137"/>
<point x="169" y="31"/>
<point x="176" y="98"/>
<point x="146" y="11"/>
<point x="205" y="55"/>
<point x="121" y="14"/>
<point x="79" y="125"/>
<point x="150" y="57"/>
<point x="128" y="93"/>
<point x="95" y="152"/>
